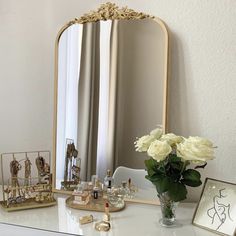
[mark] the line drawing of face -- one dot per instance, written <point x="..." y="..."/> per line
<point x="220" y="212"/>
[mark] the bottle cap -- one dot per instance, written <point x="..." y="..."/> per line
<point x="124" y="184"/>
<point x="108" y="173"/>
<point x="96" y="183"/>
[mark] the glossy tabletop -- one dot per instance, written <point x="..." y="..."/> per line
<point x="136" y="219"/>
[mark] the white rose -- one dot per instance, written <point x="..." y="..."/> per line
<point x="200" y="141"/>
<point x="157" y="133"/>
<point x="171" y="138"/>
<point x="159" y="150"/>
<point x="196" y="149"/>
<point x="143" y="143"/>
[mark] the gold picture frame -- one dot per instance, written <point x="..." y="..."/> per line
<point x="214" y="211"/>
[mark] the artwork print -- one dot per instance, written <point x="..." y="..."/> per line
<point x="216" y="210"/>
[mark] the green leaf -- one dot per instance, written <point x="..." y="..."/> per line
<point x="191" y="178"/>
<point x="151" y="172"/>
<point x="162" y="184"/>
<point x="191" y="174"/>
<point x="177" y="191"/>
<point x="176" y="162"/>
<point x="151" y="166"/>
<point x="150" y="163"/>
<point x="174" y="158"/>
<point x="177" y="165"/>
<point x="148" y="177"/>
<point x="191" y="183"/>
<point x="153" y="178"/>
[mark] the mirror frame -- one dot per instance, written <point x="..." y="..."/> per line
<point x="108" y="11"/>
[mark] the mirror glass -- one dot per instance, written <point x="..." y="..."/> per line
<point x="110" y="88"/>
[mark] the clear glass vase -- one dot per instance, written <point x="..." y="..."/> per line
<point x="168" y="208"/>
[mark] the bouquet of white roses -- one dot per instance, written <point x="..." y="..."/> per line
<point x="170" y="157"/>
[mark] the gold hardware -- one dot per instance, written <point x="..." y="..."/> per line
<point x="103" y="226"/>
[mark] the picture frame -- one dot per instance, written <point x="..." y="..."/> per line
<point x="216" y="209"/>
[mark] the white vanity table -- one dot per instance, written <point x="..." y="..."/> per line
<point x="136" y="219"/>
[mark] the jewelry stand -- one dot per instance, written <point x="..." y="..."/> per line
<point x="22" y="191"/>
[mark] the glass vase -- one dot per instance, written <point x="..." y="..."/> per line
<point x="168" y="208"/>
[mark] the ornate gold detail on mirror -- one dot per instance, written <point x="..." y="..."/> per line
<point x="110" y="11"/>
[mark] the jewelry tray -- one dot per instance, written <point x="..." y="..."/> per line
<point x="93" y="205"/>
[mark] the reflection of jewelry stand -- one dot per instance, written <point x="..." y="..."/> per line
<point x="72" y="166"/>
<point x="22" y="190"/>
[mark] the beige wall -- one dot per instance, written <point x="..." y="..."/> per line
<point x="202" y="83"/>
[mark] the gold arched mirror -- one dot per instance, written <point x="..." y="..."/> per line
<point x="110" y="87"/>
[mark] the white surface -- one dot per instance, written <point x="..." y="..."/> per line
<point x="202" y="80"/>
<point x="10" y="230"/>
<point x="136" y="219"/>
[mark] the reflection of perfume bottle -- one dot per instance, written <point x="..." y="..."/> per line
<point x="124" y="190"/>
<point x="129" y="183"/>
<point x="108" y="180"/>
<point x="93" y="179"/>
<point x="131" y="189"/>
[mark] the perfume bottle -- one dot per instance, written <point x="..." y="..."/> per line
<point x="97" y="190"/>
<point x="115" y="198"/>
<point x="108" y="180"/>
<point x="81" y="197"/>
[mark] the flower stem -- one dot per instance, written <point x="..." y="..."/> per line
<point x="183" y="167"/>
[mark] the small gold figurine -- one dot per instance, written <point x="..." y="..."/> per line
<point x="28" y="165"/>
<point x="43" y="169"/>
<point x="15" y="167"/>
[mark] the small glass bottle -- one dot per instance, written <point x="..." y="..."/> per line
<point x="81" y="197"/>
<point x="132" y="188"/>
<point x="108" y="180"/>
<point x="124" y="190"/>
<point x="96" y="190"/>
<point x="115" y="198"/>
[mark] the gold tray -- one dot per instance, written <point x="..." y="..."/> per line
<point x="28" y="204"/>
<point x="93" y="205"/>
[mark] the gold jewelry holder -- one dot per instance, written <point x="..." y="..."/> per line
<point x="93" y="205"/>
<point x="28" y="181"/>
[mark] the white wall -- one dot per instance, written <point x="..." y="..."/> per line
<point x="202" y="83"/>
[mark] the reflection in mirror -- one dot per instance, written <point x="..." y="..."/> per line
<point x="111" y="88"/>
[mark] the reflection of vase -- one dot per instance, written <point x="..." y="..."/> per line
<point x="168" y="207"/>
